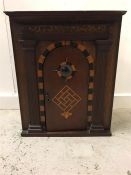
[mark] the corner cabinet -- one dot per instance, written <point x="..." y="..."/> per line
<point x="66" y="66"/>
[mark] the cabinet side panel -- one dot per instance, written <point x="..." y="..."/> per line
<point x="111" y="73"/>
<point x="20" y="64"/>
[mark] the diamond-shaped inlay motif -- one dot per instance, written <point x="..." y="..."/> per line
<point x="66" y="99"/>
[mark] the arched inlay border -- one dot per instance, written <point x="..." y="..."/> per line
<point x="40" y="75"/>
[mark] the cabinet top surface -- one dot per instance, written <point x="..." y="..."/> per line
<point x="35" y="17"/>
<point x="24" y="13"/>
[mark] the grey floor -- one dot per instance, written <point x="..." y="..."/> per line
<point x="65" y="156"/>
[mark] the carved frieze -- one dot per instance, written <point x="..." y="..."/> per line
<point x="68" y="28"/>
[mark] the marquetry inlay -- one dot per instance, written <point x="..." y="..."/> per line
<point x="66" y="99"/>
<point x="90" y="86"/>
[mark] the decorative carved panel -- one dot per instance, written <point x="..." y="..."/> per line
<point x="68" y="28"/>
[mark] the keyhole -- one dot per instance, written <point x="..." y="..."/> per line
<point x="65" y="69"/>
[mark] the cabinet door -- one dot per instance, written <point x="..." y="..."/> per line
<point x="67" y="86"/>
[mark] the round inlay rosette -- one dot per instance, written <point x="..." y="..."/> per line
<point x="66" y="70"/>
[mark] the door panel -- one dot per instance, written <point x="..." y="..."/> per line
<point x="65" y="94"/>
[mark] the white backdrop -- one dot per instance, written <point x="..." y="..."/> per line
<point x="8" y="86"/>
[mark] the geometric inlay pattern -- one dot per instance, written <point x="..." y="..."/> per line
<point x="66" y="99"/>
<point x="90" y="85"/>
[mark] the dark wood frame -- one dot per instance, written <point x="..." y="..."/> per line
<point x="107" y="44"/>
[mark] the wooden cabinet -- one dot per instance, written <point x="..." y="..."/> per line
<point x="66" y="66"/>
